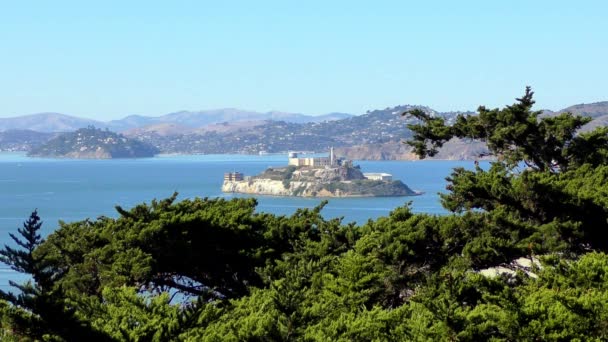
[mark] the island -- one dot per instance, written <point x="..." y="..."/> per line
<point x="93" y="143"/>
<point x="316" y="177"/>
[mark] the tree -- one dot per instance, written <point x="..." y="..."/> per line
<point x="38" y="310"/>
<point x="214" y="269"/>
<point x="559" y="194"/>
<point x="517" y="134"/>
<point x="23" y="261"/>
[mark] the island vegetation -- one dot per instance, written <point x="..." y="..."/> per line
<point x="216" y="270"/>
<point x="93" y="143"/>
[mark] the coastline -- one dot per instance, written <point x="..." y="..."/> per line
<point x="23" y="153"/>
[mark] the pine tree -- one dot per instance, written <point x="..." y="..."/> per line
<point x="22" y="260"/>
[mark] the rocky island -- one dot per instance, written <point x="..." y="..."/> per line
<point x="93" y="143"/>
<point x="316" y="177"/>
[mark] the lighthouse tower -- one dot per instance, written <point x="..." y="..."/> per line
<point x="332" y="158"/>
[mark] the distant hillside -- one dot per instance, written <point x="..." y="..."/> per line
<point x="210" y="117"/>
<point x="375" y="135"/>
<point x="598" y="111"/>
<point x="330" y="117"/>
<point x="92" y="143"/>
<point x="185" y="118"/>
<point x="593" y="110"/>
<point x="376" y="127"/>
<point x="46" y="122"/>
<point x="455" y="149"/>
<point x="599" y="121"/>
<point x="130" y="122"/>
<point x="302" y="118"/>
<point x="23" y="139"/>
<point x="226" y="127"/>
<point x="55" y="122"/>
<point x="162" y="129"/>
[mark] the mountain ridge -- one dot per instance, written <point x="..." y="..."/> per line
<point x="375" y="135"/>
<point x="50" y="122"/>
<point x="47" y="122"/>
<point x="58" y="122"/>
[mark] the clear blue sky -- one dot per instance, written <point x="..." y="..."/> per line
<point x="108" y="59"/>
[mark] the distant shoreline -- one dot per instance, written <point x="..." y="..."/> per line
<point x="167" y="155"/>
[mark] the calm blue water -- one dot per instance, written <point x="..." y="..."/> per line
<point x="72" y="190"/>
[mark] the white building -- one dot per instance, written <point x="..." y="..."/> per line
<point x="379" y="176"/>
<point x="312" y="161"/>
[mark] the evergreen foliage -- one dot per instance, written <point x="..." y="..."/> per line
<point x="216" y="270"/>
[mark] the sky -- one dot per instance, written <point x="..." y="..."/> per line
<point x="108" y="59"/>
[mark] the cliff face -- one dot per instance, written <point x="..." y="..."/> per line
<point x="309" y="182"/>
<point x="262" y="187"/>
<point x="364" y="188"/>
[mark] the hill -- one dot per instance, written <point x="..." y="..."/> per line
<point x="198" y="119"/>
<point x="92" y="143"/>
<point x="593" y="110"/>
<point x="455" y="149"/>
<point x="375" y="127"/>
<point x="56" y="122"/>
<point x="162" y="129"/>
<point x="22" y="139"/>
<point x="374" y="135"/>
<point x="46" y="122"/>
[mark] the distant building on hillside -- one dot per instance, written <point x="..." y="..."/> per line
<point x="379" y="176"/>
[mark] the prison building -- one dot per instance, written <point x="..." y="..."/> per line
<point x="312" y="161"/>
<point x="233" y="176"/>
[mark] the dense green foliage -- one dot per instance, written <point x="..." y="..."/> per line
<point x="215" y="270"/>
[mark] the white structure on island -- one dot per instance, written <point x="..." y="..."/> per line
<point x="379" y="176"/>
<point x="313" y="161"/>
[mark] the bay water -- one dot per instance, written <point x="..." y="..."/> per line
<point x="71" y="190"/>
